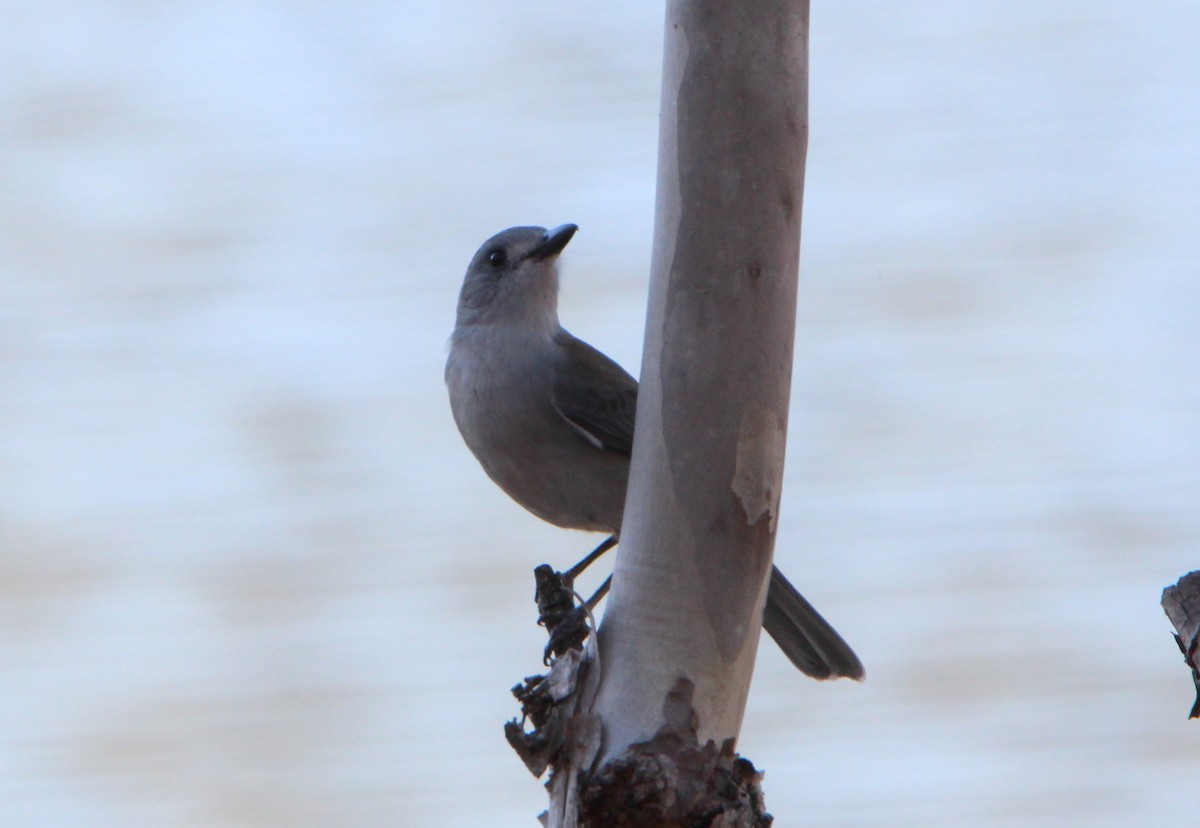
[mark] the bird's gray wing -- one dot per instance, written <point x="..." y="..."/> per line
<point x="595" y="396"/>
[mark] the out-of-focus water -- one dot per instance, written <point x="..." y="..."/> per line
<point x="249" y="575"/>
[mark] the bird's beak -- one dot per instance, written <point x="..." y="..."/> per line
<point x="553" y="242"/>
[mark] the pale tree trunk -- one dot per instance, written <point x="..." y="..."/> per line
<point x="679" y="635"/>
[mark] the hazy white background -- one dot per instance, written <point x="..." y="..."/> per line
<point x="249" y="575"/>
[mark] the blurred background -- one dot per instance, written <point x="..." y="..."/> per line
<point x="249" y="574"/>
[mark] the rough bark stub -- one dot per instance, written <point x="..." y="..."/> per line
<point x="672" y="781"/>
<point x="539" y="747"/>
<point x="556" y="705"/>
<point x="1181" y="602"/>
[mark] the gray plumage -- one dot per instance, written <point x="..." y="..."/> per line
<point x="551" y="419"/>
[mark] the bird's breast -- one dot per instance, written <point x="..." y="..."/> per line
<point x="501" y="393"/>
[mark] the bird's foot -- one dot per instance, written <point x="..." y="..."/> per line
<point x="567" y="625"/>
<point x="569" y="634"/>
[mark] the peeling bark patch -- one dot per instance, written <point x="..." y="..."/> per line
<point x="672" y="781"/>
<point x="678" y="713"/>
<point x="759" y="467"/>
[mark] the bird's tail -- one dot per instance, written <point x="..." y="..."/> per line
<point x="804" y="636"/>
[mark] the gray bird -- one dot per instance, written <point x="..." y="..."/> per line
<point x="551" y="419"/>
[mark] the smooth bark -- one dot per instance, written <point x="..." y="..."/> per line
<point x="646" y="731"/>
<point x="703" y="500"/>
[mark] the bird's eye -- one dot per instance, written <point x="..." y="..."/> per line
<point x="497" y="257"/>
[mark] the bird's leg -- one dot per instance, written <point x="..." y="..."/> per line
<point x="605" y="545"/>
<point x="567" y="624"/>
<point x="599" y="594"/>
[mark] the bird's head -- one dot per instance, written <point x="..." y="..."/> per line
<point x="513" y="278"/>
